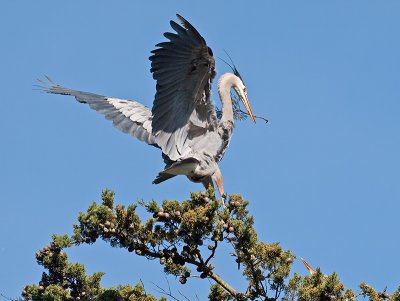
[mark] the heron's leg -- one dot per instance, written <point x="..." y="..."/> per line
<point x="217" y="177"/>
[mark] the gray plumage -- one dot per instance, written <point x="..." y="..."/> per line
<point x="183" y="121"/>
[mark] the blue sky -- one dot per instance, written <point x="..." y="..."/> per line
<point x="322" y="176"/>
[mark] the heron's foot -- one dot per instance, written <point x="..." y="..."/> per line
<point x="224" y="197"/>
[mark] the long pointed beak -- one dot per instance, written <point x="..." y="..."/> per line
<point x="247" y="105"/>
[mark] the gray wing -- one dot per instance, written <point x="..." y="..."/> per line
<point x="184" y="68"/>
<point x="129" y="116"/>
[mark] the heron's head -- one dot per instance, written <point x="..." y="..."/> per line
<point x="238" y="85"/>
<point x="241" y="91"/>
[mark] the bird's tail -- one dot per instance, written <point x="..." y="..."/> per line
<point x="184" y="167"/>
<point x="162" y="176"/>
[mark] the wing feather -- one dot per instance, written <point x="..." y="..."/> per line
<point x="128" y="116"/>
<point x="183" y="68"/>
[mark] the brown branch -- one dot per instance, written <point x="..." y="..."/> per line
<point x="212" y="252"/>
<point x="183" y="295"/>
<point x="252" y="267"/>
<point x="145" y="293"/>
<point x="169" y="292"/>
<point x="222" y="283"/>
<point x="163" y="291"/>
<point x="277" y="293"/>
<point x="199" y="263"/>
<point x="211" y="274"/>
<point x="260" y="290"/>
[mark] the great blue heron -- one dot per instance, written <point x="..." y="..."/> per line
<point x="183" y="121"/>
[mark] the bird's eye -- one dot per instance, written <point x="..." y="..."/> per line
<point x="244" y="89"/>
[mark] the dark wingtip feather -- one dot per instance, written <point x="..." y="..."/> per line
<point x="173" y="23"/>
<point x="181" y="18"/>
<point x="186" y="24"/>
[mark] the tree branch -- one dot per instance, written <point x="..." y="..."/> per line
<point x="212" y="252"/>
<point x="222" y="283"/>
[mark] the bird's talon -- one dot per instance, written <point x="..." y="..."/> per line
<point x="223" y="200"/>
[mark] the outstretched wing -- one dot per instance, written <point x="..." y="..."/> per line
<point x="129" y="116"/>
<point x="184" y="68"/>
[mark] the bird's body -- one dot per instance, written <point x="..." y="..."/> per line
<point x="183" y="122"/>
